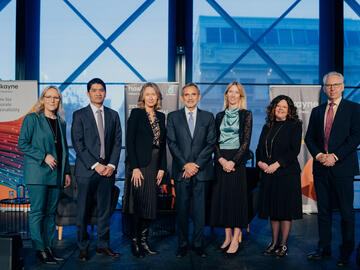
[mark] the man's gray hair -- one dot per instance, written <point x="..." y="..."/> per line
<point x="333" y="73"/>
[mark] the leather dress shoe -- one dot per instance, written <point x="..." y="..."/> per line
<point x="83" y="255"/>
<point x="342" y="261"/>
<point x="107" y="252"/>
<point x="200" y="252"/>
<point x="51" y="253"/>
<point x="181" y="252"/>
<point x="319" y="254"/>
<point x="44" y="257"/>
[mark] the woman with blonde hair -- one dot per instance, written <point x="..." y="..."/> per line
<point x="146" y="165"/>
<point x="229" y="207"/>
<point x="46" y="168"/>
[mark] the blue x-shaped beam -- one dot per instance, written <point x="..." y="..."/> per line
<point x="3" y="4"/>
<point x="106" y="42"/>
<point x="253" y="44"/>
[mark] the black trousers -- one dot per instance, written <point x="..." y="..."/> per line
<point x="343" y="190"/>
<point x="190" y="195"/>
<point x="93" y="191"/>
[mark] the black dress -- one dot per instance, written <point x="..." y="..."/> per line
<point x="229" y="207"/>
<point x="142" y="201"/>
<point x="280" y="192"/>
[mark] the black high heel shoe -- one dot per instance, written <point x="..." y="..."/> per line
<point x="270" y="250"/>
<point x="224" y="249"/>
<point x="281" y="251"/>
<point x="233" y="254"/>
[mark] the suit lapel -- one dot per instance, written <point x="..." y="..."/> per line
<point x="107" y="121"/>
<point x="322" y="117"/>
<point x="338" y="116"/>
<point x="198" y="121"/>
<point x="184" y="120"/>
<point x="147" y="122"/>
<point x="46" y="126"/>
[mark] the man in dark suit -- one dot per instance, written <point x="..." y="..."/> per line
<point x="191" y="139"/>
<point x="96" y="137"/>
<point x="332" y="138"/>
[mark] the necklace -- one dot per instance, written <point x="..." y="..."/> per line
<point x="272" y="142"/>
<point x="55" y="133"/>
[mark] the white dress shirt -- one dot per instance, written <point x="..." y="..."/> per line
<point x="188" y="115"/>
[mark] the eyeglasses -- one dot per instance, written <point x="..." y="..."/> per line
<point x="52" y="98"/>
<point x="334" y="85"/>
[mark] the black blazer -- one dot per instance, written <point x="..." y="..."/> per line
<point x="86" y="140"/>
<point x="186" y="149"/>
<point x="343" y="141"/>
<point x="139" y="137"/>
<point x="285" y="149"/>
<point x="245" y="128"/>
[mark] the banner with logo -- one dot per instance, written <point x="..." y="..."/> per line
<point x="17" y="98"/>
<point x="305" y="98"/>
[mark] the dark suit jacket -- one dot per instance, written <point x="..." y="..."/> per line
<point x="285" y="149"/>
<point x="245" y="128"/>
<point x="139" y="137"/>
<point x="36" y="141"/>
<point x="343" y="141"/>
<point x="86" y="140"/>
<point x="185" y="149"/>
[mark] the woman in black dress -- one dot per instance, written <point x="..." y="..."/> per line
<point x="229" y="207"/>
<point x="146" y="164"/>
<point x="280" y="188"/>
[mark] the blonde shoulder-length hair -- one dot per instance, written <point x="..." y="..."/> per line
<point x="39" y="108"/>
<point x="242" y="101"/>
<point x="141" y="102"/>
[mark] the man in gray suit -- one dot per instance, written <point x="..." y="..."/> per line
<point x="191" y="139"/>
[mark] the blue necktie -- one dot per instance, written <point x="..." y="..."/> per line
<point x="191" y="123"/>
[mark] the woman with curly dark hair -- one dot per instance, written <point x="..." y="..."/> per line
<point x="280" y="187"/>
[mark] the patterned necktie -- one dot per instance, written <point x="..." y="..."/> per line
<point x="101" y="133"/>
<point x="328" y="125"/>
<point x="191" y="123"/>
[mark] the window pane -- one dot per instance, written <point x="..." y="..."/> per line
<point x="351" y="52"/>
<point x="255" y="33"/>
<point x="227" y="35"/>
<point x="7" y="43"/>
<point x="352" y="38"/>
<point x="313" y="37"/>
<point x="264" y="63"/>
<point x="285" y="36"/>
<point x="272" y="37"/>
<point x="139" y="51"/>
<point x="212" y="35"/>
<point x="299" y="36"/>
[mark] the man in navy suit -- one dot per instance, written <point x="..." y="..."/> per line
<point x="96" y="137"/>
<point x="332" y="138"/>
<point x="191" y="139"/>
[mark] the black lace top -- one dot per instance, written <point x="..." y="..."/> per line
<point x="156" y="130"/>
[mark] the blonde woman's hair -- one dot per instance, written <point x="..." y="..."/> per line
<point x="39" y="108"/>
<point x="141" y="102"/>
<point x="242" y="101"/>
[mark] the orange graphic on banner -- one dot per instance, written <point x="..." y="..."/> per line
<point x="11" y="159"/>
<point x="307" y="181"/>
